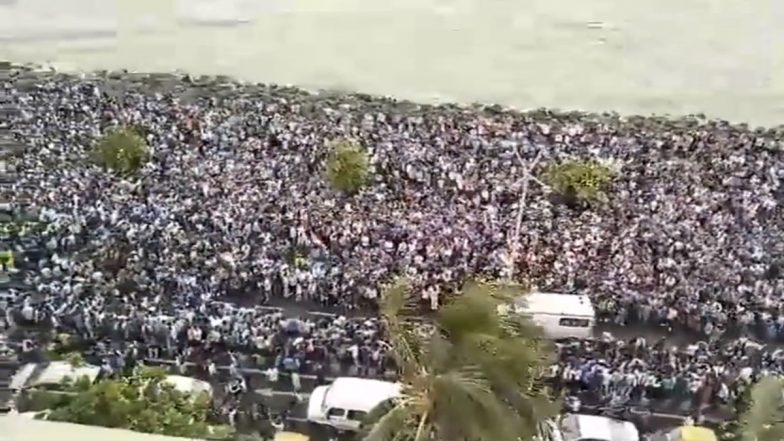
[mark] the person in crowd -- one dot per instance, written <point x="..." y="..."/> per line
<point x="233" y="209"/>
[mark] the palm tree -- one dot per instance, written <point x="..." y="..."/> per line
<point x="474" y="376"/>
<point x="763" y="420"/>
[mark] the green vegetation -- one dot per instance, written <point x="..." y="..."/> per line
<point x="347" y="166"/>
<point x="18" y="229"/>
<point x="7" y="259"/>
<point x="121" y="150"/>
<point x="761" y="414"/>
<point x="477" y="376"/>
<point x="65" y="348"/>
<point x="75" y="359"/>
<point x="579" y="182"/>
<point x="143" y="402"/>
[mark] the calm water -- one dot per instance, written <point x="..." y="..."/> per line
<point x="721" y="58"/>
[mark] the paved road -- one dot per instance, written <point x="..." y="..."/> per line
<point x="280" y="395"/>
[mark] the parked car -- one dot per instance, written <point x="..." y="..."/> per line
<point x="344" y="404"/>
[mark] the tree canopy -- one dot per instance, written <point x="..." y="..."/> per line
<point x="347" y="167"/>
<point x="7" y="258"/>
<point x="476" y="376"/>
<point x="121" y="150"/>
<point x="579" y="182"/>
<point x="143" y="402"/>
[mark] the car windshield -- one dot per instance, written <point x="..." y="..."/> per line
<point x="324" y="398"/>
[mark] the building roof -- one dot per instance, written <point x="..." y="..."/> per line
<point x="359" y="393"/>
<point x="15" y="427"/>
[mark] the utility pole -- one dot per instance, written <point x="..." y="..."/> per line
<point x="514" y="241"/>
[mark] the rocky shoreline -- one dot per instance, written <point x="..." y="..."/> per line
<point x="189" y="88"/>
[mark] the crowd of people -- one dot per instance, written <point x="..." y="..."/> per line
<point x="234" y="205"/>
<point x="226" y="342"/>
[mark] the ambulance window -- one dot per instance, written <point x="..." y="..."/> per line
<point x="356" y="415"/>
<point x="574" y="322"/>
<point x="335" y="412"/>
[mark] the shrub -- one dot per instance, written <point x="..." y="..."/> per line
<point x="122" y="150"/>
<point x="142" y="402"/>
<point x="347" y="166"/>
<point x="579" y="182"/>
<point x="75" y="359"/>
<point x="40" y="400"/>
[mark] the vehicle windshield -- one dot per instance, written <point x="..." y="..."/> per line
<point x="324" y="398"/>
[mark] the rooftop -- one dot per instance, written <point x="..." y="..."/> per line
<point x="15" y="427"/>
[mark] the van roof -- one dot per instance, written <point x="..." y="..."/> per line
<point x="359" y="393"/>
<point x="44" y="374"/>
<point x="556" y="304"/>
<point x="189" y="385"/>
<point x="601" y="428"/>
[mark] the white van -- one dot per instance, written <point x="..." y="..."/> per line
<point x="345" y="403"/>
<point x="559" y="315"/>
<point x="579" y="427"/>
<point x="189" y="385"/>
<point x="50" y="375"/>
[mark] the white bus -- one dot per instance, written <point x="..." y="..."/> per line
<point x="559" y="315"/>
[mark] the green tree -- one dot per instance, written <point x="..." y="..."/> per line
<point x="476" y="376"/>
<point x="579" y="182"/>
<point x="347" y="166"/>
<point x="763" y="418"/>
<point x="121" y="150"/>
<point x="144" y="402"/>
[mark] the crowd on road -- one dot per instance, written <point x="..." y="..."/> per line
<point x="233" y="204"/>
<point x="223" y="338"/>
<point x="692" y="234"/>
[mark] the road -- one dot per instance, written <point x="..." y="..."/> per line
<point x="280" y="395"/>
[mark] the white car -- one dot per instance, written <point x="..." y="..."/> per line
<point x="345" y="403"/>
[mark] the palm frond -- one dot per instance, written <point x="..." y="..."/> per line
<point x="385" y="423"/>
<point x="468" y="314"/>
<point x="476" y="376"/>
<point x="764" y="419"/>
<point x="406" y="343"/>
<point x="439" y="353"/>
<point x="469" y="402"/>
<point x="394" y="298"/>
